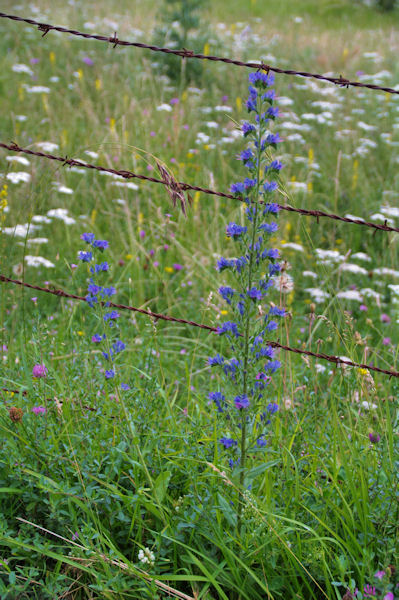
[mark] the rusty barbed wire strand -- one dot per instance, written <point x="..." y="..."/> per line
<point x="184" y="53"/>
<point x="334" y="359"/>
<point x="186" y="186"/>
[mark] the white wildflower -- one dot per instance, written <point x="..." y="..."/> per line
<point x="317" y="294"/>
<point x="20" y="118"/>
<point x="298" y="186"/>
<point x="365" y="126"/>
<point x="146" y="556"/>
<point x="361" y="256"/>
<point x="332" y="255"/>
<point x="17" y="177"/>
<point x="369" y="405"/>
<point x="47" y="146"/>
<point x="350" y="268"/>
<point x="165" y="107"/>
<point x="38" y="261"/>
<point x="64" y="190"/>
<point x="126" y="184"/>
<point x="383" y="218"/>
<point x="37" y="89"/>
<point x="21" y="68"/>
<point x="40" y="219"/>
<point x="391" y="211"/>
<point x="202" y="138"/>
<point x="91" y="154"/>
<point x="386" y="271"/>
<point x="293" y="246"/>
<point x="38" y="240"/>
<point x="21" y="160"/>
<point x="394" y="288"/>
<point x="350" y="295"/>
<point x="223" y="108"/>
<point x="20" y="230"/>
<point x="309" y="274"/>
<point x="62" y="214"/>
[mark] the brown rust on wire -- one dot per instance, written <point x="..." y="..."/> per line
<point x="181" y="185"/>
<point x="334" y="359"/>
<point x="183" y="53"/>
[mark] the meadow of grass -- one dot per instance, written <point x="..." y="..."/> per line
<point x="109" y="497"/>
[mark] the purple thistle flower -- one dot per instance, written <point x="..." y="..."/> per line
<point x="38" y="410"/>
<point x="374" y="438"/>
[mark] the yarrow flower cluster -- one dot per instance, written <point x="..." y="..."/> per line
<point x="244" y="413"/>
<point x="146" y="557"/>
<point x="98" y="297"/>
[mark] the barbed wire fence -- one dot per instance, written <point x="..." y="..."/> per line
<point x="176" y="188"/>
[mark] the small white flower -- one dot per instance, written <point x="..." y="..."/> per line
<point x="47" y="146"/>
<point x="37" y="89"/>
<point x="146" y="556"/>
<point x="350" y="268"/>
<point x="37" y="241"/>
<point x="223" y="108"/>
<point x="64" y="190"/>
<point x="350" y="295"/>
<point x="165" y="107"/>
<point x="332" y="255"/>
<point x="391" y="211"/>
<point x="21" y="68"/>
<point x="126" y="184"/>
<point x="21" y="160"/>
<point x="369" y="405"/>
<point x="394" y="288"/>
<point x="293" y="246"/>
<point x="317" y="294"/>
<point x="20" y="230"/>
<point x="62" y="214"/>
<point x="91" y="154"/>
<point x="386" y="271"/>
<point x="38" y="261"/>
<point x="40" y="219"/>
<point x="15" y="177"/>
<point x="361" y="256"/>
<point x="365" y="126"/>
<point x="309" y="274"/>
<point x="20" y="118"/>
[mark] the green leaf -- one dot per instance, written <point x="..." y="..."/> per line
<point x="161" y="484"/>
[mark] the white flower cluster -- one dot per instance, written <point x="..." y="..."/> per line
<point x="146" y="557"/>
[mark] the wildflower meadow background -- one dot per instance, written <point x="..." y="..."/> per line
<point x="141" y="458"/>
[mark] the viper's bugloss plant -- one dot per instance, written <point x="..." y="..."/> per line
<point x="243" y="407"/>
<point x="98" y="297"/>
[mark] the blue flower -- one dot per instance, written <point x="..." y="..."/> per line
<point x="270" y="186"/>
<point x="272" y="111"/>
<point x="272" y="407"/>
<point x="224" y="263"/>
<point x="275" y="165"/>
<point x="255" y="294"/>
<point x="228" y="327"/>
<point x="251" y="104"/>
<point x="99" y="268"/>
<point x="247" y="128"/>
<point x="261" y="79"/>
<point x="235" y="231"/>
<point x="216" y="360"/>
<point x="241" y="401"/>
<point x="125" y="387"/>
<point x="91" y="300"/>
<point x="108" y="292"/>
<point x="274" y="269"/>
<point x="227" y="442"/>
<point x="277" y="312"/>
<point x="271" y="326"/>
<point x="246" y="155"/>
<point x="237" y="188"/>
<point x="261" y="442"/>
<point x="272" y="207"/>
<point x="118" y="346"/>
<point x="85" y="256"/>
<point x="226" y="292"/>
<point x="241" y="307"/>
<point x="93" y="288"/>
<point x="273" y="139"/>
<point x="218" y="399"/>
<point x="240" y="263"/>
<point x="273" y="366"/>
<point x="110" y="374"/>
<point x="96" y="339"/>
<point x="100" y="244"/>
<point x="87" y="237"/>
<point x="269" y="227"/>
<point x="111" y="315"/>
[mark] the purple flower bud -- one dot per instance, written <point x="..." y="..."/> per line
<point x="39" y="371"/>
